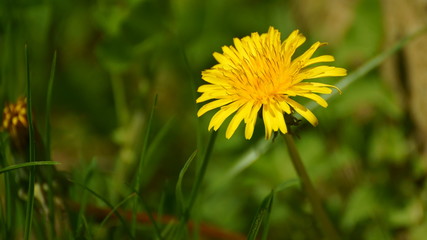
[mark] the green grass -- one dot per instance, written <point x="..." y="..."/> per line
<point x="31" y="153"/>
<point x="111" y="87"/>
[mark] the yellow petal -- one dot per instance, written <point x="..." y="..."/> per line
<point x="315" y="98"/>
<point x="290" y="45"/>
<point x="240" y="49"/>
<point x="231" y="53"/>
<point x="242" y="113"/>
<point x="251" y="120"/>
<point x="316" y="87"/>
<point x="279" y="119"/>
<point x="267" y="122"/>
<point x="320" y="71"/>
<point x="324" y="58"/>
<point x="212" y="105"/>
<point x="304" y="112"/>
<point x="210" y="76"/>
<point x="303" y="58"/>
<point x="223" y="114"/>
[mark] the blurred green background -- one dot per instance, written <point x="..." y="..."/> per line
<point x="115" y="56"/>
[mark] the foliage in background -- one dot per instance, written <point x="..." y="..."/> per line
<point x="115" y="56"/>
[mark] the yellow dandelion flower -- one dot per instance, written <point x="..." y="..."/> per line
<point x="259" y="74"/>
<point x="15" y="122"/>
<point x="15" y="116"/>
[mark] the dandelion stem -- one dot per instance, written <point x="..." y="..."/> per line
<point x="318" y="211"/>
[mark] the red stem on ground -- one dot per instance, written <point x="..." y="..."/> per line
<point x="206" y="230"/>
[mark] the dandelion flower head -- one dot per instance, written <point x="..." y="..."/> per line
<point x="15" y="117"/>
<point x="259" y="75"/>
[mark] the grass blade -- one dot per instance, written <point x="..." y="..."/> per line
<point x="141" y="165"/>
<point x="193" y="87"/>
<point x="80" y="226"/>
<point x="262" y="213"/>
<point x="48" y="148"/>
<point x="30" y="200"/>
<point x="106" y="202"/>
<point x="8" y="230"/>
<point x="200" y="175"/>
<point x="262" y="217"/>
<point x="155" y="143"/>
<point x="178" y="188"/>
<point x="286" y="184"/>
<point x="113" y="210"/>
<point x="157" y="230"/>
<point x="27" y="164"/>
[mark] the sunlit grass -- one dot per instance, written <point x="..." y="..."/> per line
<point x="133" y="69"/>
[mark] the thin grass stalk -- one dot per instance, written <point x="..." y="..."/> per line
<point x="106" y="202"/>
<point x="8" y="217"/>
<point x="266" y="226"/>
<point x="193" y="87"/>
<point x="3" y="226"/>
<point x="320" y="215"/>
<point x="157" y="230"/>
<point x="10" y="205"/>
<point x="48" y="155"/>
<point x="119" y="99"/>
<point x="262" y="214"/>
<point x="31" y="158"/>
<point x="115" y="209"/>
<point x="200" y="175"/>
<point x="141" y="165"/>
<point x="87" y="176"/>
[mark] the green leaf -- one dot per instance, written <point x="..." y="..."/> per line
<point x="178" y="188"/>
<point x="262" y="213"/>
<point x="27" y="164"/>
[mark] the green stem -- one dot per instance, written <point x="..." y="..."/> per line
<point x="200" y="175"/>
<point x="51" y="203"/>
<point x="119" y="99"/>
<point x="31" y="157"/>
<point x="141" y="165"/>
<point x="318" y="211"/>
<point x="203" y="167"/>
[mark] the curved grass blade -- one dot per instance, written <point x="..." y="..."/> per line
<point x="113" y="210"/>
<point x="27" y="164"/>
<point x="200" y="175"/>
<point x="106" y="202"/>
<point x="286" y="184"/>
<point x="178" y="188"/>
<point x="262" y="213"/>
<point x="262" y="217"/>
